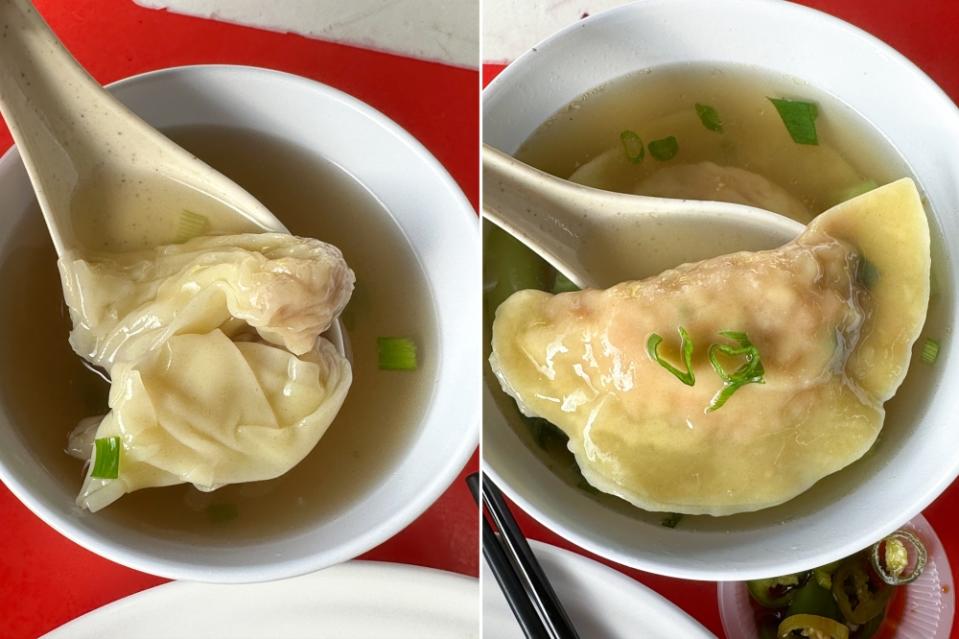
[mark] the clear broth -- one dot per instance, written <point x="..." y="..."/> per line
<point x="47" y="390"/>
<point x="643" y="102"/>
<point x="659" y="103"/>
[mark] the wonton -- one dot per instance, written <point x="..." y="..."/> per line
<point x="831" y="316"/>
<point x="219" y="373"/>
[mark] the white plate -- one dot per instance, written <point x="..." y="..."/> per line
<point x="355" y="600"/>
<point x="601" y="603"/>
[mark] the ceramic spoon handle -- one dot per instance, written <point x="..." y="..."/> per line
<point x="535" y="208"/>
<point x="39" y="85"/>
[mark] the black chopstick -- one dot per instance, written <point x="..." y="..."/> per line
<point x="506" y="577"/>
<point x="521" y="578"/>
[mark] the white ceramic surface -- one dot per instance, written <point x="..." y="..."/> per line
<point x="926" y="612"/>
<point x="510" y="27"/>
<point x="359" y="599"/>
<point x="565" y="223"/>
<point x="440" y="30"/>
<point x="601" y="602"/>
<point x="443" y="230"/>
<point x="915" y="462"/>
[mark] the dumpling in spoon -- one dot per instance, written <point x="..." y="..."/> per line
<point x="791" y="354"/>
<point x="219" y="373"/>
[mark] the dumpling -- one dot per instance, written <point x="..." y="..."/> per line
<point x="717" y="167"/>
<point x="710" y="181"/>
<point x="205" y="410"/>
<point x="218" y="371"/>
<point x="821" y="330"/>
<point x="287" y="289"/>
<point x="691" y="181"/>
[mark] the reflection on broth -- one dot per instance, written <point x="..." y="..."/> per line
<point x="313" y="198"/>
<point x="585" y="141"/>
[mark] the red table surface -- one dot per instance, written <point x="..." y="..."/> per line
<point x="45" y="579"/>
<point x="925" y="33"/>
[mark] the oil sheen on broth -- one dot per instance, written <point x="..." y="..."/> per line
<point x="48" y="390"/>
<point x="851" y="157"/>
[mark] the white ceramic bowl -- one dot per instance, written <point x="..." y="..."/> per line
<point x="440" y="224"/>
<point x="916" y="460"/>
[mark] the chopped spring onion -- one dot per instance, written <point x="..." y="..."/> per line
<point x="562" y="284"/>
<point x="191" y="225"/>
<point x="709" y="117"/>
<point x="856" y="190"/>
<point x="671" y="520"/>
<point x="633" y="145"/>
<point x="106" y="458"/>
<point x="867" y="273"/>
<point x="509" y="266"/>
<point x="545" y="434"/>
<point x="686" y="347"/>
<point x="893" y="557"/>
<point x="930" y="351"/>
<point x="799" y="118"/>
<point x="396" y="353"/>
<point x="751" y="372"/>
<point x="220" y="513"/>
<point x="664" y="149"/>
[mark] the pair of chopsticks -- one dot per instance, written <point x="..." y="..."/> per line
<point x="528" y="592"/>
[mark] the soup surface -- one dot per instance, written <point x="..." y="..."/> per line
<point x="582" y="141"/>
<point x="47" y="390"/>
<point x="661" y="103"/>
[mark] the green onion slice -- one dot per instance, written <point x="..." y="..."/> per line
<point x="751" y="372"/>
<point x="867" y="273"/>
<point x="930" y="351"/>
<point x="799" y="118"/>
<point x="709" y="117"/>
<point x="633" y="145"/>
<point x="191" y="225"/>
<point x="545" y="434"/>
<point x="686" y="347"/>
<point x="899" y="558"/>
<point x="671" y="520"/>
<point x="106" y="458"/>
<point x="664" y="149"/>
<point x="562" y="284"/>
<point x="856" y="190"/>
<point x="396" y="353"/>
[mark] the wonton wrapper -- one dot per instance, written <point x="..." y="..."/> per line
<point x="833" y="352"/>
<point x="690" y="181"/>
<point x="218" y="372"/>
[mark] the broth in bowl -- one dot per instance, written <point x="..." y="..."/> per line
<point x="705" y="132"/>
<point x="312" y="197"/>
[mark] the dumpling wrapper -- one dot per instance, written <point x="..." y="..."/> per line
<point x="833" y="351"/>
<point x="218" y="372"/>
<point x="706" y="180"/>
<point x="205" y="410"/>
<point x="289" y="289"/>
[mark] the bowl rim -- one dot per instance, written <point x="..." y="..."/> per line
<point x="437" y="483"/>
<point x="537" y="506"/>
